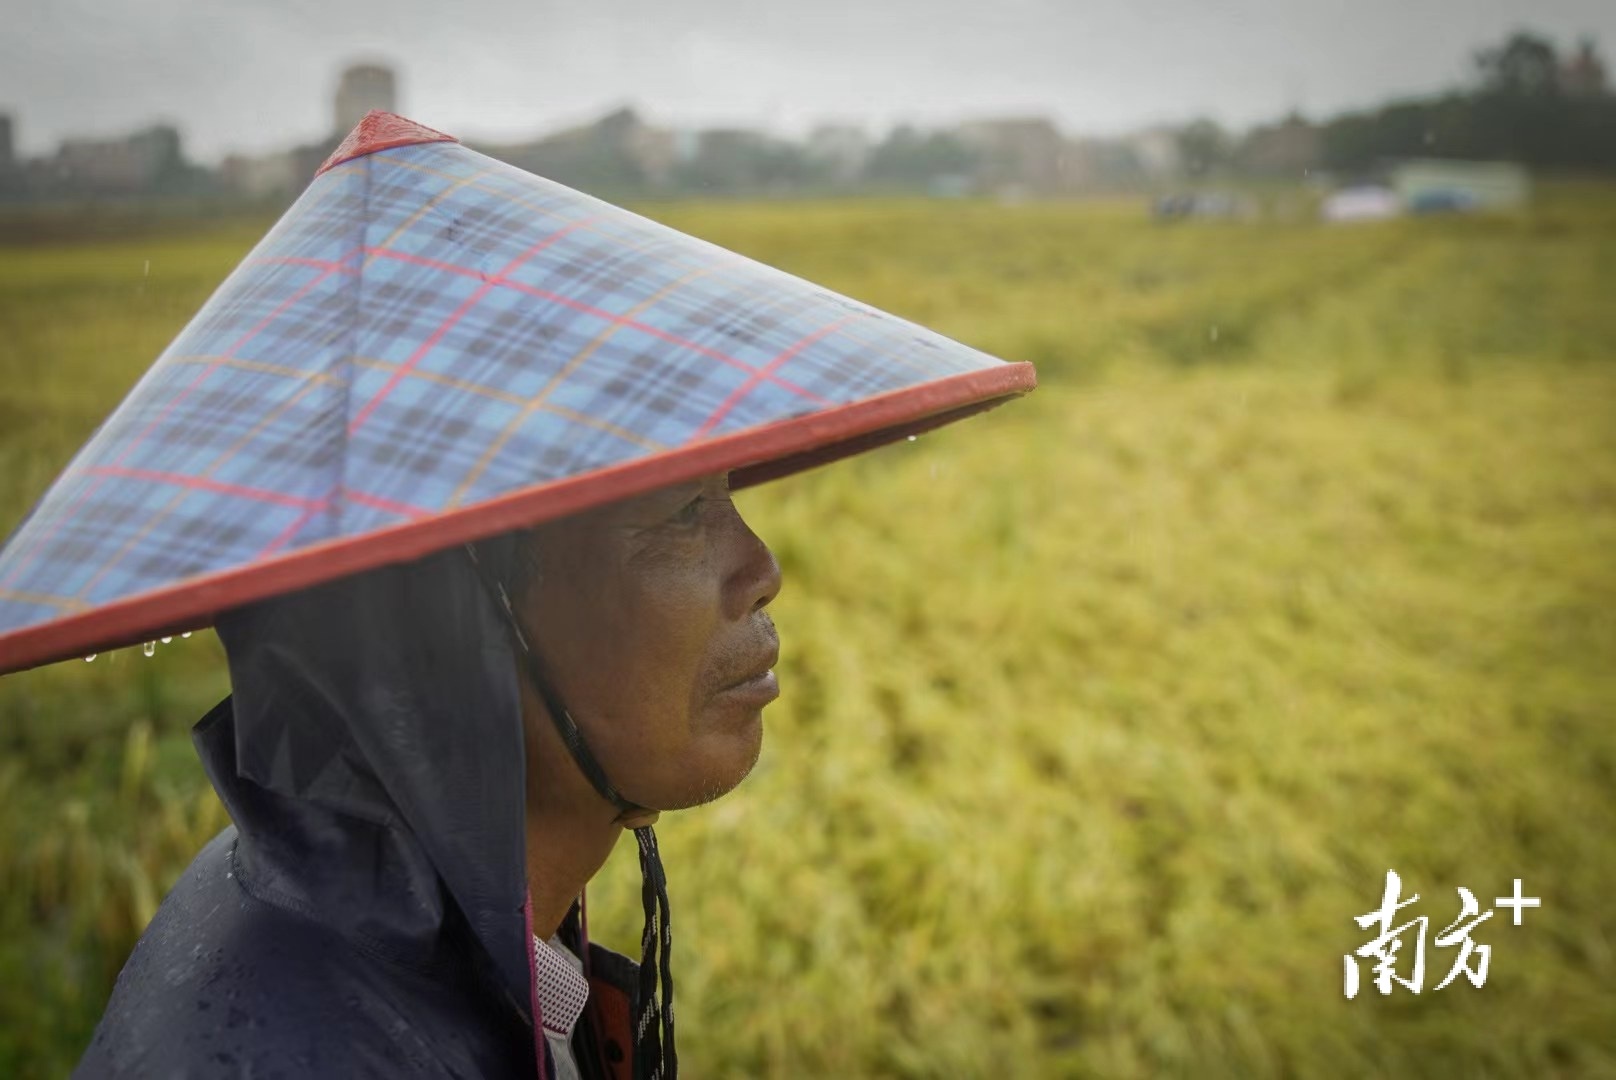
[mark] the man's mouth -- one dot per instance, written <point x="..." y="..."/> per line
<point x="758" y="690"/>
<point x="760" y="681"/>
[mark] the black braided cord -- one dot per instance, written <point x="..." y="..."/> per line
<point x="654" y="1055"/>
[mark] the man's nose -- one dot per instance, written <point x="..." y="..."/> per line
<point x="770" y="581"/>
<point x="758" y="578"/>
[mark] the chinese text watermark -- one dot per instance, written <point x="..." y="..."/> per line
<point x="1386" y="948"/>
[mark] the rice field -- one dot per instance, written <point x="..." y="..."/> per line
<point x="1104" y="714"/>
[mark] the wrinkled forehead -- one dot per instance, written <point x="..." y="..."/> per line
<point x="667" y="497"/>
<point x="514" y="556"/>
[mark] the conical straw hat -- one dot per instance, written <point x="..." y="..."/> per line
<point x="431" y="347"/>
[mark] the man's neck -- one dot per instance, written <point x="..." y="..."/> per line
<point x="571" y="829"/>
<point x="566" y="846"/>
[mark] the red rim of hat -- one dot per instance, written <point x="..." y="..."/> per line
<point x="752" y="456"/>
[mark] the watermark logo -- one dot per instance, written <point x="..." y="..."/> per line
<point x="1386" y="948"/>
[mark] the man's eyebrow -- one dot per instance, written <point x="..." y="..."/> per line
<point x="688" y="487"/>
<point x="665" y="500"/>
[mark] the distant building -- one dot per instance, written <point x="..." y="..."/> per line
<point x="13" y="177"/>
<point x="363" y="87"/>
<point x="686" y="144"/>
<point x="615" y="153"/>
<point x="728" y="159"/>
<point x="262" y="177"/>
<point x="1584" y="74"/>
<point x="279" y="175"/>
<point x="841" y="150"/>
<point x="1288" y="148"/>
<point x="1156" y="150"/>
<point x="1425" y="186"/>
<point x="1126" y="163"/>
<point x="142" y="162"/>
<point x="1104" y="165"/>
<point x="1020" y="155"/>
<point x="652" y="150"/>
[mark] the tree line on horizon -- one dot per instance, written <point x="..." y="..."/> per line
<point x="1527" y="104"/>
<point x="1524" y="103"/>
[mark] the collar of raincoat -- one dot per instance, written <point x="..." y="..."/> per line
<point x="372" y="760"/>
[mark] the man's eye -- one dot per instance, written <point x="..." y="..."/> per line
<point x="690" y="511"/>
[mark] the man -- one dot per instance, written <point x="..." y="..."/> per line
<point x="438" y="725"/>
<point x="371" y="757"/>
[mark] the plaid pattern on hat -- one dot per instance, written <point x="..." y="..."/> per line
<point x="427" y="329"/>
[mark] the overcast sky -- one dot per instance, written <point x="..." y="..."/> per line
<point x="255" y="75"/>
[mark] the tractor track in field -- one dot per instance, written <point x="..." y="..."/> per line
<point x="1182" y="337"/>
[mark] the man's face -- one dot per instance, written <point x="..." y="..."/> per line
<point x="646" y="614"/>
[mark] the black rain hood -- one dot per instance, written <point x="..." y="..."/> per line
<point x="378" y="758"/>
<point x="371" y="757"/>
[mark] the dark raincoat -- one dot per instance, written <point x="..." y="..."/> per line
<point x="364" y="916"/>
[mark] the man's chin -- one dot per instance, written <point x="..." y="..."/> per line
<point x="720" y="781"/>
